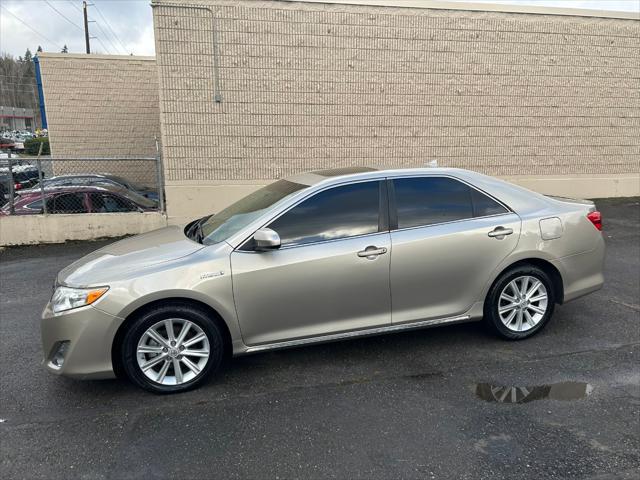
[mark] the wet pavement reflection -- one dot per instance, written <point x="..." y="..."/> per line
<point x="515" y="394"/>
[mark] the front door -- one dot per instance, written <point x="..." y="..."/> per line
<point x="449" y="239"/>
<point x="330" y="275"/>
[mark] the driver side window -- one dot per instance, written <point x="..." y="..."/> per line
<point x="338" y="212"/>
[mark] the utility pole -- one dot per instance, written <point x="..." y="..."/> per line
<point x="86" y="26"/>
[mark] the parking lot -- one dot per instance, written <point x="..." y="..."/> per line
<point x="402" y="405"/>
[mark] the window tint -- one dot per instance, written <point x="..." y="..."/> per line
<point x="105" y="203"/>
<point x="339" y="212"/>
<point x="425" y="201"/>
<point x="237" y="216"/>
<point x="67" y="203"/>
<point x="483" y="205"/>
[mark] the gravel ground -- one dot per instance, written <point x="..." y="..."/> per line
<point x="402" y="405"/>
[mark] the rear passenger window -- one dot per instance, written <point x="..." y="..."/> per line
<point x="484" y="206"/>
<point x="428" y="200"/>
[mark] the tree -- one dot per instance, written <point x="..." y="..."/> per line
<point x="17" y="82"/>
<point x="65" y="49"/>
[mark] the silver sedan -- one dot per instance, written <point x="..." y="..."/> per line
<point x="317" y="257"/>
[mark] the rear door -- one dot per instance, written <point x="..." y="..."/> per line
<point x="447" y="238"/>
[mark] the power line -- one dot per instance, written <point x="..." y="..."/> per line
<point x="64" y="16"/>
<point x="106" y="37"/>
<point x="28" y="26"/>
<point x="75" y="6"/>
<point x="103" y="45"/>
<point x="110" y="28"/>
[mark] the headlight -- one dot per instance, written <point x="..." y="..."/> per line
<point x="66" y="298"/>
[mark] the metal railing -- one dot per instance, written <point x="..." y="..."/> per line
<point x="56" y="185"/>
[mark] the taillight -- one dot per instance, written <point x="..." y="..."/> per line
<point x="596" y="219"/>
<point x="17" y="186"/>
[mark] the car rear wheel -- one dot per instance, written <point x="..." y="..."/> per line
<point x="520" y="303"/>
<point x="172" y="348"/>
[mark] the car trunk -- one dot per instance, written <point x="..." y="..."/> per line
<point x="574" y="201"/>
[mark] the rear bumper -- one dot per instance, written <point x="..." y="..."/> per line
<point x="90" y="334"/>
<point x="582" y="273"/>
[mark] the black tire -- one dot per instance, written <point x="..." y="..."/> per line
<point x="492" y="302"/>
<point x="141" y="324"/>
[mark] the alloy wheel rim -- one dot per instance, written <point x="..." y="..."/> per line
<point x="523" y="303"/>
<point x="173" y="351"/>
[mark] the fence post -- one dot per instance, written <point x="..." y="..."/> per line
<point x="160" y="178"/>
<point x="12" y="210"/>
<point x="44" y="202"/>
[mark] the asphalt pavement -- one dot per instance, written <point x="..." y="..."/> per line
<point x="398" y="406"/>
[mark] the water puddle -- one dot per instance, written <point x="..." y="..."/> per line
<point x="553" y="391"/>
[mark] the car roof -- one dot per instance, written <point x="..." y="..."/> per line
<point x="81" y="175"/>
<point x="517" y="198"/>
<point x="76" y="189"/>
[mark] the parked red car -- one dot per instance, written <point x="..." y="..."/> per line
<point x="81" y="200"/>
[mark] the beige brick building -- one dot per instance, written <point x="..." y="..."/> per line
<point x="102" y="106"/>
<point x="251" y="91"/>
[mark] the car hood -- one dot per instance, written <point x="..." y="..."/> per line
<point x="130" y="254"/>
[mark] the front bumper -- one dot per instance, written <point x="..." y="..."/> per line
<point x="90" y="333"/>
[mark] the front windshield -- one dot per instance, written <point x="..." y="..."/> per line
<point x="235" y="217"/>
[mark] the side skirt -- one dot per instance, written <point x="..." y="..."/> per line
<point x="355" y="334"/>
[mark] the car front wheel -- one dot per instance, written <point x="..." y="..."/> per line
<point x="520" y="303"/>
<point x="172" y="348"/>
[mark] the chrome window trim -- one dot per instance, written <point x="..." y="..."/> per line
<point x="452" y="221"/>
<point x="333" y="240"/>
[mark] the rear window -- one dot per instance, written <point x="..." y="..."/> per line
<point x="484" y="206"/>
<point x="424" y="201"/>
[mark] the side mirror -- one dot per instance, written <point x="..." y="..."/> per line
<point x="266" y="239"/>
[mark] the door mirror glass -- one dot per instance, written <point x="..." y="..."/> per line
<point x="266" y="239"/>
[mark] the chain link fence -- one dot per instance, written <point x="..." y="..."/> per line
<point x="46" y="185"/>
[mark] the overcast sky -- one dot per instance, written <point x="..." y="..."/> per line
<point x="126" y="26"/>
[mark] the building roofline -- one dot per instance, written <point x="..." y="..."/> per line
<point x="92" y="56"/>
<point x="480" y="7"/>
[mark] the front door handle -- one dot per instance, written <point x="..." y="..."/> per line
<point x="500" y="232"/>
<point x="372" y="252"/>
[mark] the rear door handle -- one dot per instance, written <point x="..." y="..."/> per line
<point x="372" y="252"/>
<point x="500" y="232"/>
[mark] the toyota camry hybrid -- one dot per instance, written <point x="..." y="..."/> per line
<point x="316" y="257"/>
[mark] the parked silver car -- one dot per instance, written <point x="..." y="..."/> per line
<point x="321" y="256"/>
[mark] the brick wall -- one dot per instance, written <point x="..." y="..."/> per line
<point x="307" y="86"/>
<point x="101" y="106"/>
